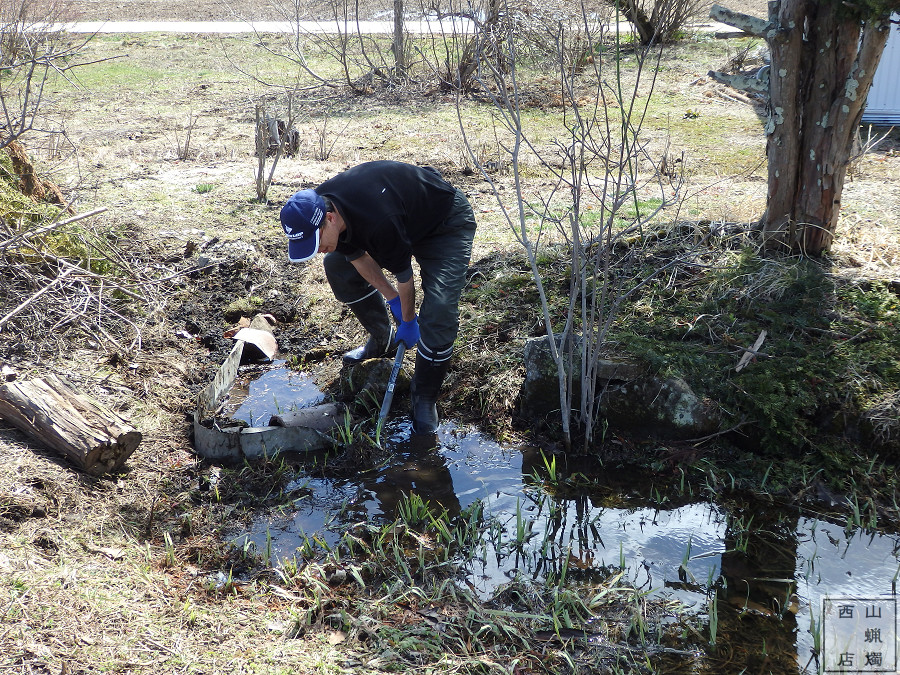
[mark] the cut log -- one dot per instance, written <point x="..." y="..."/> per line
<point x="92" y="437"/>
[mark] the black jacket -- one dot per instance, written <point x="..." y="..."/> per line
<point x="388" y="207"/>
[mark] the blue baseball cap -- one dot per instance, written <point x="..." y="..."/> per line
<point x="301" y="218"/>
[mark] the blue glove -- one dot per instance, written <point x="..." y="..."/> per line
<point x="395" y="308"/>
<point x="408" y="333"/>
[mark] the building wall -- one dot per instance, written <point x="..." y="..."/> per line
<point x="883" y="104"/>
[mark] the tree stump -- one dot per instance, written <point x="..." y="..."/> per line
<point x="92" y="437"/>
<point x="272" y="133"/>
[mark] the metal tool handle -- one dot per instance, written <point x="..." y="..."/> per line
<point x="389" y="392"/>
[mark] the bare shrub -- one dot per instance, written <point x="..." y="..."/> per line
<point x="604" y="186"/>
<point x="459" y="35"/>
<point x="31" y="50"/>
<point x="489" y="30"/>
<point x="659" y="21"/>
<point x="276" y="136"/>
<point x="183" y="137"/>
<point x="364" y="59"/>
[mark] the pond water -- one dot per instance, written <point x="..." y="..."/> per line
<point x="772" y="568"/>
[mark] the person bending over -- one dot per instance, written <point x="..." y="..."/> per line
<point x="378" y="216"/>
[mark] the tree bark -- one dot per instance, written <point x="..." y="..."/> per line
<point x="748" y="24"/>
<point x="758" y="84"/>
<point x="783" y="124"/>
<point x="639" y="19"/>
<point x="823" y="63"/>
<point x="92" y="437"/>
<point x="398" y="46"/>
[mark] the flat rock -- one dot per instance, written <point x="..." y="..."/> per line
<point x="632" y="401"/>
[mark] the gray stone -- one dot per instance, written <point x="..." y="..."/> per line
<point x="631" y="401"/>
<point x="656" y="407"/>
<point x="539" y="395"/>
<point x="608" y="370"/>
<point x="366" y="383"/>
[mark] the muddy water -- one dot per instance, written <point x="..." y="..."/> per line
<point x="262" y="391"/>
<point x="771" y="570"/>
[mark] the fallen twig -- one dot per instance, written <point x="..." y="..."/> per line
<point x="703" y="439"/>
<point x="94" y="275"/>
<point x="750" y="353"/>
<point x="25" y="236"/>
<point x="34" y="297"/>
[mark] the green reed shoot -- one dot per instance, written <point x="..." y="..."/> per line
<point x="523" y="526"/>
<point x="550" y="466"/>
<point x="170" y="550"/>
<point x="267" y="553"/>
<point x="713" y="618"/>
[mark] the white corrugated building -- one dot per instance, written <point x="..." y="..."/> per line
<point x="883" y="104"/>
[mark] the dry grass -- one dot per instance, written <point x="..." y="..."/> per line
<point x="869" y="248"/>
<point x="88" y="582"/>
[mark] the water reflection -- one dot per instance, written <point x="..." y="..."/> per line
<point x="757" y="602"/>
<point x="763" y="572"/>
<point x="414" y="470"/>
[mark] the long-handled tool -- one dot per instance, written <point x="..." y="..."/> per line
<point x="389" y="393"/>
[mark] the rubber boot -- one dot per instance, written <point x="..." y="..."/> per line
<point x="373" y="315"/>
<point x="423" y="393"/>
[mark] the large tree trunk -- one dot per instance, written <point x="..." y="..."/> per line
<point x="823" y="63"/>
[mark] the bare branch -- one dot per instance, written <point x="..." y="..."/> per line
<point x="599" y="170"/>
<point x="30" y="50"/>
<point x="34" y="297"/>
<point x="758" y="83"/>
<point x="29" y="234"/>
<point x="749" y="24"/>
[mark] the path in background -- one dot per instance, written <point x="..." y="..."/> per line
<point x="448" y="26"/>
<point x="219" y="27"/>
<point x="258" y="10"/>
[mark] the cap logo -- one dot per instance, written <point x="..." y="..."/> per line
<point x="313" y="225"/>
